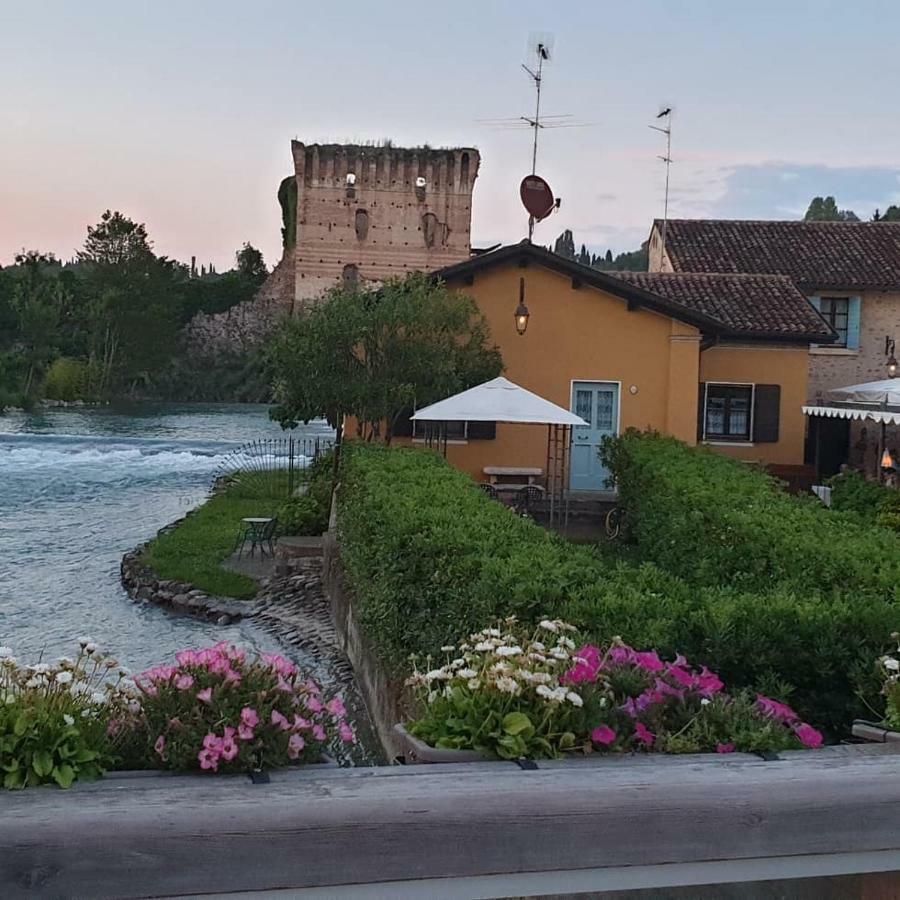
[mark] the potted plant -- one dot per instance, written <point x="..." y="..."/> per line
<point x="888" y="729"/>
<point x="508" y="693"/>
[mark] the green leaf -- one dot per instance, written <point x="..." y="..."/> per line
<point x="42" y="763"/>
<point x="64" y="775"/>
<point x="516" y="723"/>
<point x="14" y="781"/>
<point x="20" y="726"/>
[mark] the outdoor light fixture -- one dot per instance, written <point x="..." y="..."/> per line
<point x="887" y="461"/>
<point x="892" y="365"/>
<point x="522" y="313"/>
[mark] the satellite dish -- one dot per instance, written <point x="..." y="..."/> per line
<point x="537" y="198"/>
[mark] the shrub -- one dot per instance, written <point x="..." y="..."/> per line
<point x="216" y="710"/>
<point x="308" y="513"/>
<point x="851" y="492"/>
<point x="888" y="669"/>
<point x="69" y="379"/>
<point x="54" y="718"/>
<point x="429" y="556"/>
<point x="713" y="520"/>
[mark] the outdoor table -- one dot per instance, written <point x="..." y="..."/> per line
<point x="255" y="529"/>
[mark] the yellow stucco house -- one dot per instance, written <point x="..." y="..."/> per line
<point x="718" y="359"/>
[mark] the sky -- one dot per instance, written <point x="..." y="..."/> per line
<point x="180" y="114"/>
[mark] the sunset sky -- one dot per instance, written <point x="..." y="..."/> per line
<point x="180" y="114"/>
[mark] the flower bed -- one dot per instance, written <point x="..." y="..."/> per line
<point x="511" y="692"/>
<point x="215" y="710"/>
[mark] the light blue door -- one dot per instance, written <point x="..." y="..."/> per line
<point x="598" y="404"/>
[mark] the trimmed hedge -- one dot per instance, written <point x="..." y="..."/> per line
<point x="430" y="558"/>
<point x="715" y="521"/>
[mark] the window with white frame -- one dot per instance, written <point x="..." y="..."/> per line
<point x="728" y="412"/>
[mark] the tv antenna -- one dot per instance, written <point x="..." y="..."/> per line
<point x="666" y="114"/>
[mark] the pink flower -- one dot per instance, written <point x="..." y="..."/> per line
<point x="208" y="760"/>
<point x="775" y="710"/>
<point x="188" y="658"/>
<point x="160" y="746"/>
<point x="213" y="743"/>
<point x="318" y="732"/>
<point x="604" y="735"/>
<point x="346" y="732"/>
<point x="205" y="696"/>
<point x="295" y="745"/>
<point x="336" y="707"/>
<point x="229" y="749"/>
<point x="620" y="654"/>
<point x="808" y="735"/>
<point x="232" y="677"/>
<point x="313" y="704"/>
<point x="184" y="682"/>
<point x="644" y="735"/>
<point x="284" y="686"/>
<point x="648" y="661"/>
<point x="708" y="682"/>
<point x="589" y="663"/>
<point x="300" y="722"/>
<point x="663" y="689"/>
<point x="682" y="676"/>
<point x="280" y="721"/>
<point x="249" y="717"/>
<point x="229" y="732"/>
<point x="724" y="748"/>
<point x="245" y="732"/>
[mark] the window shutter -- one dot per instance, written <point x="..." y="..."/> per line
<point x="701" y="410"/>
<point x="482" y="431"/>
<point x="853" y="323"/>
<point x="766" y="413"/>
<point x="403" y="427"/>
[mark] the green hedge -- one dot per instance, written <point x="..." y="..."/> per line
<point x="431" y="558"/>
<point x="713" y="520"/>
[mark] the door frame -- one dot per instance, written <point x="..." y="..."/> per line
<point x="572" y="383"/>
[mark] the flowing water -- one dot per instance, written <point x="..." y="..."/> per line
<point x="78" y="488"/>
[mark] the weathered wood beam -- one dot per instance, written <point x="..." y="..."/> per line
<point x="324" y="827"/>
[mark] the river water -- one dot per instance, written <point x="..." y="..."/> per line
<point x="80" y="487"/>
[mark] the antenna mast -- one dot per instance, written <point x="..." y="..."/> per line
<point x="667" y="159"/>
<point x="543" y="53"/>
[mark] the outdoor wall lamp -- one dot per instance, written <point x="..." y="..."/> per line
<point x="522" y="313"/>
<point x="889" y="345"/>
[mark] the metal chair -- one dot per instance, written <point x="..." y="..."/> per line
<point x="490" y="490"/>
<point x="528" y="497"/>
<point x="259" y="534"/>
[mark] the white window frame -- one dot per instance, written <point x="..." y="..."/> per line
<point x="717" y="441"/>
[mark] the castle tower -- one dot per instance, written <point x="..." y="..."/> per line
<point x="369" y="213"/>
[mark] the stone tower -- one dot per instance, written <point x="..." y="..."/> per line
<point x="366" y="213"/>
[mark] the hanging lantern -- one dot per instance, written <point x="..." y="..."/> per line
<point x="522" y="313"/>
<point x="892" y="366"/>
<point x="887" y="461"/>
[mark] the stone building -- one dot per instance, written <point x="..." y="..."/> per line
<point x="366" y="213"/>
<point x="361" y="213"/>
<point x="849" y="271"/>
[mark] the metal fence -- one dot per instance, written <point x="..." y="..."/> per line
<point x="270" y="467"/>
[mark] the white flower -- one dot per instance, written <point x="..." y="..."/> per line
<point x="492" y="632"/>
<point x="508" y="685"/>
<point x="449" y="648"/>
<point x="5" y="652"/>
<point x="98" y="697"/>
<point x="90" y="647"/>
<point x="68" y="719"/>
<point x="64" y="662"/>
<point x="603" y="703"/>
<point x="432" y="696"/>
<point x="84" y="641"/>
<point x="566" y="642"/>
<point x="559" y="653"/>
<point x="10" y="662"/>
<point x="86" y="712"/>
<point x="705" y="701"/>
<point x="474" y="684"/>
<point x="543" y="691"/>
<point x="891" y="664"/>
<point x="63" y="677"/>
<point x="466" y="673"/>
<point x="40" y="669"/>
<point x="574" y="699"/>
<point x="484" y="647"/>
<point x="33" y="683"/>
<point x="537" y="645"/>
<point x="547" y="625"/>
<point x="508" y="651"/>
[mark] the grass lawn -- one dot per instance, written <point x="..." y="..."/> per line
<point x="194" y="550"/>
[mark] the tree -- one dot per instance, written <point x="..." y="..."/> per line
<point x="891" y="214"/>
<point x="376" y="355"/>
<point x="250" y="262"/>
<point x="825" y="209"/>
<point x="116" y="241"/>
<point x="609" y="257"/>
<point x="565" y="245"/>
<point x="584" y="257"/>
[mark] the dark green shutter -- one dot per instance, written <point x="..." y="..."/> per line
<point x="701" y="408"/>
<point x="766" y="413"/>
<point x="482" y="431"/>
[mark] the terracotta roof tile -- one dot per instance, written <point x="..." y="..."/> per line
<point x="743" y="304"/>
<point x="816" y="255"/>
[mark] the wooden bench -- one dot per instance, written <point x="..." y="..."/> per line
<point x="495" y="473"/>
